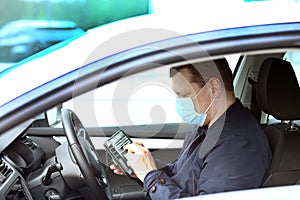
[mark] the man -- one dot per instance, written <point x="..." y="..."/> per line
<point x="226" y="151"/>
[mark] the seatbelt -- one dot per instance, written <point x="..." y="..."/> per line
<point x="254" y="107"/>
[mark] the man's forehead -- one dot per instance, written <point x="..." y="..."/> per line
<point x="183" y="74"/>
<point x="180" y="83"/>
<point x="181" y="78"/>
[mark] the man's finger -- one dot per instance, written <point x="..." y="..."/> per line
<point x="132" y="148"/>
<point x="116" y="169"/>
<point x="135" y="148"/>
<point x="139" y="143"/>
<point x="112" y="166"/>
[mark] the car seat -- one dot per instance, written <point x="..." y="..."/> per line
<point x="278" y="95"/>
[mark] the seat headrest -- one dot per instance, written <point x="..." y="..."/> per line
<point x="277" y="89"/>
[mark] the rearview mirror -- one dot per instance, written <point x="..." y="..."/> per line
<point x="53" y="115"/>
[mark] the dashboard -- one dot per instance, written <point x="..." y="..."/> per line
<point x="29" y="168"/>
<point x="12" y="184"/>
<point x="21" y="158"/>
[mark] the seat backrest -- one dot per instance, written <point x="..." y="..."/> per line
<point x="278" y="95"/>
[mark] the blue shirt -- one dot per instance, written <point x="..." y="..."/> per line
<point x="232" y="154"/>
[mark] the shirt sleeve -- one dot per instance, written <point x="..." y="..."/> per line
<point x="160" y="164"/>
<point x="158" y="185"/>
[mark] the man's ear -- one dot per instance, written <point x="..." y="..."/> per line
<point x="215" y="86"/>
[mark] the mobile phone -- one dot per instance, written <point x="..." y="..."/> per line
<point x="114" y="147"/>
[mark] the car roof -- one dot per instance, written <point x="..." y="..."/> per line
<point x="129" y="33"/>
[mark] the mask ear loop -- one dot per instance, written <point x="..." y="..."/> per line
<point x="210" y="104"/>
<point x="198" y="92"/>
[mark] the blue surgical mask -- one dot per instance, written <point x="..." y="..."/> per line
<point x="186" y="110"/>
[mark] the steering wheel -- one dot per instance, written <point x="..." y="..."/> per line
<point x="86" y="156"/>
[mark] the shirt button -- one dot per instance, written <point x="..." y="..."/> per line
<point x="152" y="189"/>
<point x="162" y="181"/>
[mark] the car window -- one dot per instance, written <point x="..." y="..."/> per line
<point x="294" y="58"/>
<point x="141" y="99"/>
<point x="233" y="60"/>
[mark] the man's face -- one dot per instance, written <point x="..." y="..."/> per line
<point x="185" y="89"/>
<point x="181" y="85"/>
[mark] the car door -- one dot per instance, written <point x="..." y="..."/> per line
<point x="142" y="105"/>
<point x="122" y="105"/>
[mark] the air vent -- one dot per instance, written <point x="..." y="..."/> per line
<point x="28" y="142"/>
<point x="5" y="171"/>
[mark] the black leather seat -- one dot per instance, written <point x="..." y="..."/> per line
<point x="278" y="95"/>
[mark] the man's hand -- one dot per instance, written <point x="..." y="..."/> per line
<point x="140" y="159"/>
<point x="118" y="171"/>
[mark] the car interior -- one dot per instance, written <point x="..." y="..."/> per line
<point x="275" y="99"/>
<point x="36" y="166"/>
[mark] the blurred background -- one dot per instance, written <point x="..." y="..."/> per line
<point x="85" y="13"/>
<point x="29" y="26"/>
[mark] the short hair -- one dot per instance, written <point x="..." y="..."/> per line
<point x="201" y="72"/>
